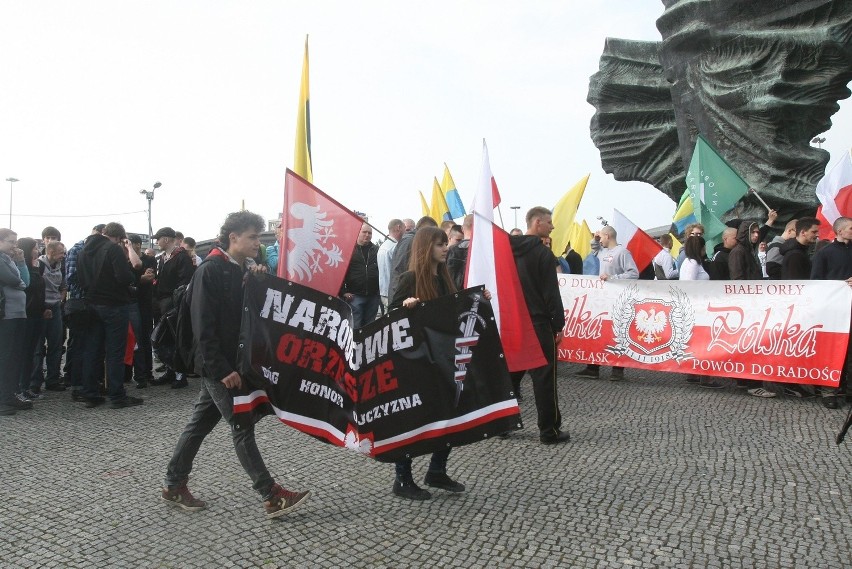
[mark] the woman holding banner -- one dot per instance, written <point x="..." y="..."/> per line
<point x="427" y="278"/>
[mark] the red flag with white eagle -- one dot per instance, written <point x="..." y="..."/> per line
<point x="834" y="192"/>
<point x="317" y="238"/>
<point x="491" y="255"/>
<point x="642" y="246"/>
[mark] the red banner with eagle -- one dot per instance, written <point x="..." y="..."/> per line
<point x="317" y="236"/>
<point x="781" y="331"/>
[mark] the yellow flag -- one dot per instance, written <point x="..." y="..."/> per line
<point x="564" y="213"/>
<point x="423" y="205"/>
<point x="439" y="211"/>
<point x="580" y="238"/>
<point x="302" y="160"/>
<point x="676" y="245"/>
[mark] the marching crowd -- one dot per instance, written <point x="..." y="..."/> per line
<point x="98" y="301"/>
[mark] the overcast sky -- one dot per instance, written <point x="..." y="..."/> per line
<point x="100" y="99"/>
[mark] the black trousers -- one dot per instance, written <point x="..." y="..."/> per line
<point x="544" y="382"/>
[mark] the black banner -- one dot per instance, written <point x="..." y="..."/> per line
<point x="413" y="382"/>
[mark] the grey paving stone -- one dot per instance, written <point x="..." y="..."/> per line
<point x="659" y="473"/>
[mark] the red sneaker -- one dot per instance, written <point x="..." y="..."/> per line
<point x="181" y="497"/>
<point x="282" y="501"/>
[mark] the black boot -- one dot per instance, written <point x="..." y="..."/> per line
<point x="442" y="481"/>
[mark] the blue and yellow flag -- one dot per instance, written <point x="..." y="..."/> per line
<point x="685" y="213"/>
<point x="302" y="160"/>
<point x="564" y="213"/>
<point x="451" y="195"/>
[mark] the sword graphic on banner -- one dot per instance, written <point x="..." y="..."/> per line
<point x="464" y="343"/>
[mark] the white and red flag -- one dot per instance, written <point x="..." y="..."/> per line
<point x="317" y="238"/>
<point x="834" y="192"/>
<point x="490" y="255"/>
<point x="642" y="246"/>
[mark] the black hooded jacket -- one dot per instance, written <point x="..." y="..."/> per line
<point x="742" y="262"/>
<point x="795" y="263"/>
<point x="104" y="272"/>
<point x="537" y="273"/>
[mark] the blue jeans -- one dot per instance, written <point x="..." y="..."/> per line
<point x="107" y="338"/>
<point x="365" y="307"/>
<point x="54" y="334"/>
<point x="215" y="402"/>
<point x="33" y="334"/>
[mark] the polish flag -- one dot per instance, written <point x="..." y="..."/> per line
<point x="490" y="255"/>
<point x="642" y="246"/>
<point x="484" y="201"/>
<point x="835" y="194"/>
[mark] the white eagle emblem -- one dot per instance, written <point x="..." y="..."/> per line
<point x="650" y="324"/>
<point x="310" y="242"/>
<point x="353" y="442"/>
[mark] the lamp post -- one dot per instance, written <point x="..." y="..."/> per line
<point x="11" y="187"/>
<point x="516" y="208"/>
<point x="150" y="197"/>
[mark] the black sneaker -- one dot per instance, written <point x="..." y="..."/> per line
<point x="55" y="387"/>
<point x="127" y="401"/>
<point x="92" y="402"/>
<point x="590" y="372"/>
<point x="692" y="378"/>
<point x="141" y="384"/>
<point x="19" y="403"/>
<point x="442" y="481"/>
<point x="553" y="439"/>
<point x="711" y="385"/>
<point x="77" y="396"/>
<point x="410" y="490"/>
<point x="180" y="383"/>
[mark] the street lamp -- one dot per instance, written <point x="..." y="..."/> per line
<point x="150" y="197"/>
<point x="11" y="187"/>
<point x="516" y="208"/>
<point x="818" y="140"/>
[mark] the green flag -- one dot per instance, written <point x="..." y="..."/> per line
<point x="716" y="186"/>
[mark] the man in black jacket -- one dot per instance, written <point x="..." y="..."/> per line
<point x="457" y="254"/>
<point x="537" y="273"/>
<point x="215" y="299"/>
<point x="174" y="269"/>
<point x="105" y="275"/>
<point x="402" y="252"/>
<point x="795" y="263"/>
<point x="361" y="283"/>
<point x="834" y="262"/>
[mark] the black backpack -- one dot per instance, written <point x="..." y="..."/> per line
<point x="172" y="339"/>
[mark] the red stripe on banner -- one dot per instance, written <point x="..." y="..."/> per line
<point x="313" y="430"/>
<point x="478" y="421"/>
<point x="248" y="406"/>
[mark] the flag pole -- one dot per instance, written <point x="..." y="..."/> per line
<point x="500" y="213"/>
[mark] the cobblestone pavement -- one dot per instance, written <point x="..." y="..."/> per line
<point x="659" y="474"/>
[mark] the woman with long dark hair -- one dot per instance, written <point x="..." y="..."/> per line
<point x="35" y="325"/>
<point x="693" y="268"/>
<point x="427" y="278"/>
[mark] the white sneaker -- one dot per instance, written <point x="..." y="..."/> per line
<point x="760" y="392"/>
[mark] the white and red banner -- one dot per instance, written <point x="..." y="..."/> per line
<point x="317" y="238"/>
<point x="783" y="331"/>
<point x="835" y="194"/>
<point x="642" y="246"/>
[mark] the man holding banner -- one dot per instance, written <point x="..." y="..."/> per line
<point x="216" y="301"/>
